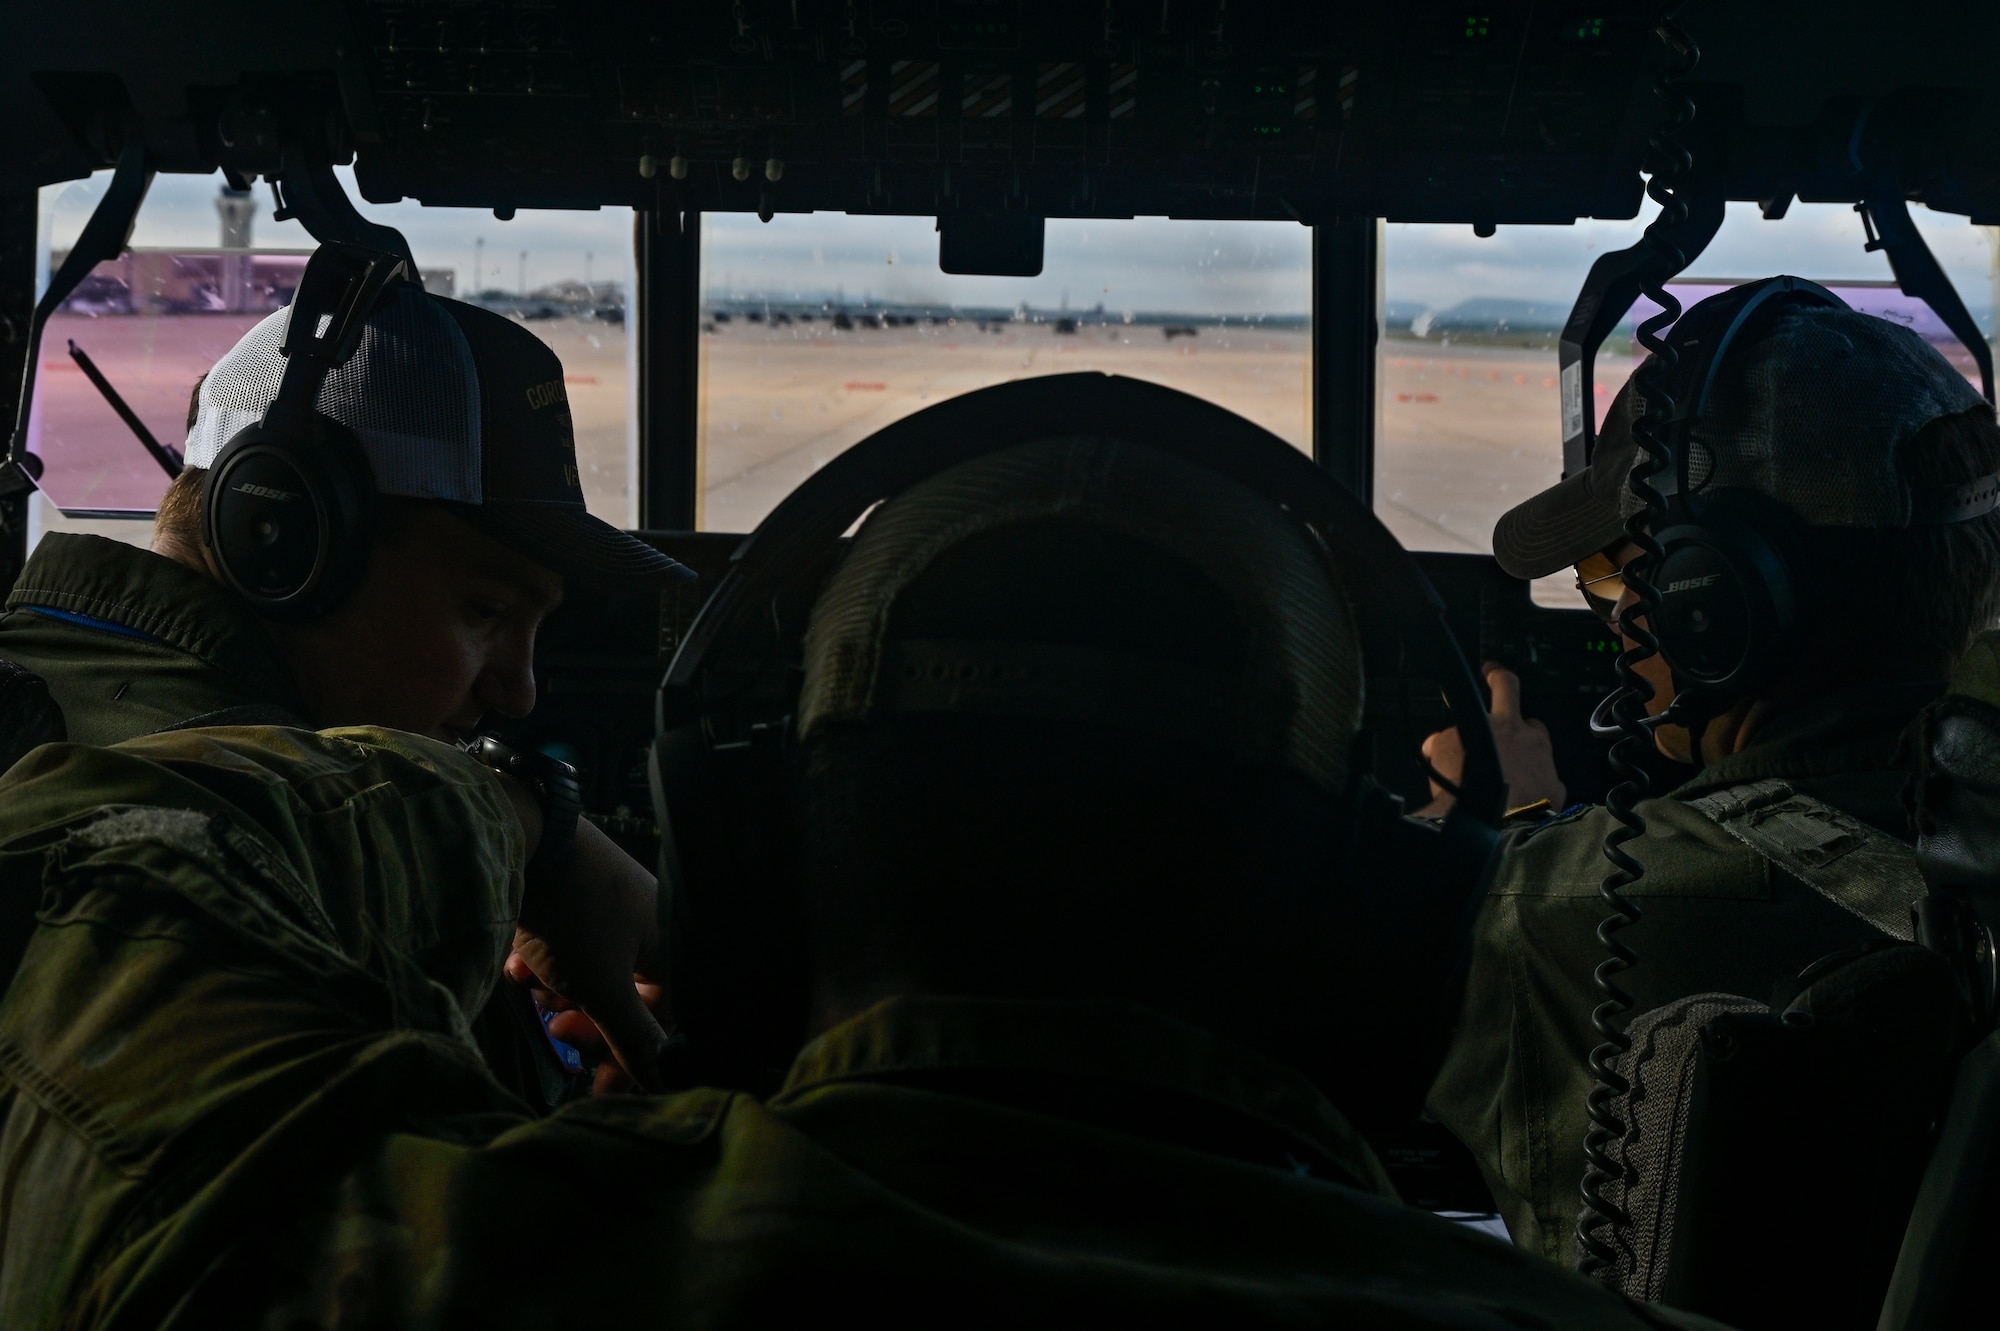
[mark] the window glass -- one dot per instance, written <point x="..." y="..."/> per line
<point x="820" y="329"/>
<point x="1471" y="415"/>
<point x="204" y="265"/>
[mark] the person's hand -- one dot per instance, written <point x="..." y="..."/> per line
<point x="587" y="939"/>
<point x="1527" y="758"/>
<point x="575" y="1027"/>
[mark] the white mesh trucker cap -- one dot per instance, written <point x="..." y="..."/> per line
<point x="453" y="403"/>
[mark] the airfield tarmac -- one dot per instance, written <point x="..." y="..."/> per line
<point x="780" y="402"/>
<point x="1467" y="431"/>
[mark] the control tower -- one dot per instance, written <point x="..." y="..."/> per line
<point x="235" y="208"/>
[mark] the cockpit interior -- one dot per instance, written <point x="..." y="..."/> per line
<point x="773" y="240"/>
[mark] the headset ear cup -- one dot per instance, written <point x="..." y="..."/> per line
<point x="289" y="523"/>
<point x="1730" y="596"/>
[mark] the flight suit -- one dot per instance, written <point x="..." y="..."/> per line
<point x="237" y="1091"/>
<point x="1717" y="916"/>
<point x="131" y="642"/>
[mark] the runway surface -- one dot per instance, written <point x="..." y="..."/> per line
<point x="1466" y="431"/>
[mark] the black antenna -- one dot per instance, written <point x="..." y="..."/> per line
<point x="166" y="455"/>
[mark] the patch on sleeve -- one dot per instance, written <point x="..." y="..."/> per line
<point x="213" y="841"/>
<point x="183" y="829"/>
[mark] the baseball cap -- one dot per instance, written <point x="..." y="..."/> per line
<point x="1813" y="413"/>
<point x="453" y="403"/>
<point x="1097" y="581"/>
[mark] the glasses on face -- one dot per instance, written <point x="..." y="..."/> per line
<point x="1602" y="583"/>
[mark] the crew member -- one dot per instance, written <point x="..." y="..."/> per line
<point x="1076" y="725"/>
<point x="480" y="520"/>
<point x="479" y="524"/>
<point x="1846" y="421"/>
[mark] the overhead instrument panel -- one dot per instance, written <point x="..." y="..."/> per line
<point x="1199" y="109"/>
<point x="1525" y="111"/>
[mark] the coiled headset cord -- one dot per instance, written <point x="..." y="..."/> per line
<point x="1668" y="164"/>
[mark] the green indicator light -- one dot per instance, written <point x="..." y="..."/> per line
<point x="1477" y="26"/>
<point x="1590" y="29"/>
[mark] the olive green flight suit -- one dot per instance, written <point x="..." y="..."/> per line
<point x="235" y="1091"/>
<point x="131" y="642"/>
<point x="1716" y="916"/>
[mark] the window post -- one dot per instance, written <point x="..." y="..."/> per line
<point x="1346" y="371"/>
<point x="18" y="217"/>
<point x="667" y="323"/>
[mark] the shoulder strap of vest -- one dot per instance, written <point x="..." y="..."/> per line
<point x="1862" y="869"/>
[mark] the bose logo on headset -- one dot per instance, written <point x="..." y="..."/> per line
<point x="1692" y="584"/>
<point x="265" y="492"/>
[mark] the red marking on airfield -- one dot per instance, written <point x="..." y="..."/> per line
<point x="1548" y="383"/>
<point x="1416" y="397"/>
<point x="856" y="386"/>
<point x="579" y="378"/>
<point x="1520" y="378"/>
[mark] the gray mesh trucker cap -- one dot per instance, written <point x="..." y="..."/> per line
<point x="1291" y="695"/>
<point x="1814" y="414"/>
<point x="454" y="403"/>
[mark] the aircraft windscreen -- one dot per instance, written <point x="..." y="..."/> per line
<point x="818" y="330"/>
<point x="206" y="263"/>
<point x="1470" y="411"/>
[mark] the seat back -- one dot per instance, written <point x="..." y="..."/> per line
<point x="1941" y="1274"/>
<point x="1955" y="806"/>
<point x="1661" y="1067"/>
<point x="1772" y="1156"/>
<point x="1830" y="1159"/>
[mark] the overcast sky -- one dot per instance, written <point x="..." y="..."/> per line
<point x="1144" y="264"/>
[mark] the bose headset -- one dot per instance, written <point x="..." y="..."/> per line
<point x="732" y="914"/>
<point x="1736" y="580"/>
<point x="288" y="506"/>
